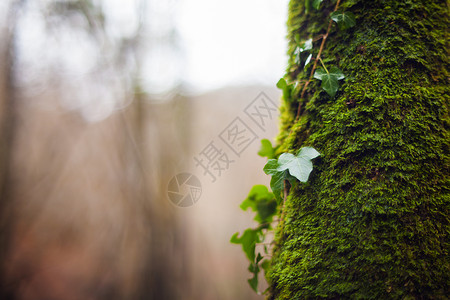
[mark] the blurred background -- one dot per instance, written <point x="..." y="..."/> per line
<point x="102" y="103"/>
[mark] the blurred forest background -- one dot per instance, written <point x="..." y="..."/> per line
<point x="101" y="104"/>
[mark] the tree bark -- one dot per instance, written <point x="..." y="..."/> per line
<point x="373" y="220"/>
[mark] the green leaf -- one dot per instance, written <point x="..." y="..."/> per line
<point x="307" y="45"/>
<point x="266" y="149"/>
<point x="277" y="185"/>
<point x="262" y="202"/>
<point x="329" y="79"/>
<point x="248" y="241"/>
<point x="303" y="53"/>
<point x="271" y="167"/>
<point x="335" y="71"/>
<point x="344" y="20"/>
<point x="266" y="211"/>
<point x="277" y="180"/>
<point x="308" y="60"/>
<point x="286" y="88"/>
<point x="299" y="166"/>
<point x="259" y="258"/>
<point x="316" y="4"/>
<point x="257" y="193"/>
<point x="253" y="282"/>
<point x="281" y="84"/>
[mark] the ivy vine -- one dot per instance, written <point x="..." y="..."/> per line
<point x="288" y="169"/>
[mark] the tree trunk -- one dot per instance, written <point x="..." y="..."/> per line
<point x="373" y="219"/>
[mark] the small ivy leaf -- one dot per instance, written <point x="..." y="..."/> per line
<point x="308" y="60"/>
<point x="278" y="177"/>
<point x="344" y="20"/>
<point x="277" y="185"/>
<point x="316" y="4"/>
<point x="286" y="88"/>
<point x="266" y="210"/>
<point x="303" y="53"/>
<point x="276" y="182"/>
<point x="307" y="45"/>
<point x="271" y="167"/>
<point x="320" y="74"/>
<point x="257" y="193"/>
<point x="254" y="268"/>
<point x="329" y="79"/>
<point x="262" y="202"/>
<point x="299" y="166"/>
<point x="281" y="84"/>
<point x="331" y="85"/>
<point x="266" y="149"/>
<point x="259" y="257"/>
<point x="335" y="71"/>
<point x="308" y="153"/>
<point x="253" y="282"/>
<point x="248" y="241"/>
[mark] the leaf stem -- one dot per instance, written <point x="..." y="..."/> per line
<point x="323" y="65"/>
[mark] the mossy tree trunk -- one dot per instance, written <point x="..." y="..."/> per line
<point x="373" y="220"/>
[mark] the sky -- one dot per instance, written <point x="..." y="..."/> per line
<point x="194" y="45"/>
<point x="233" y="42"/>
<point x="221" y="43"/>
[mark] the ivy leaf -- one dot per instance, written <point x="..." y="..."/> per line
<point x="277" y="180"/>
<point x="329" y="79"/>
<point x="278" y="177"/>
<point x="335" y="71"/>
<point x="266" y="149"/>
<point x="271" y="167"/>
<point x="281" y="84"/>
<point x="277" y="185"/>
<point x="286" y="88"/>
<point x="261" y="201"/>
<point x="308" y="60"/>
<point x="299" y="166"/>
<point x="303" y="53"/>
<point x="257" y="193"/>
<point x="316" y="4"/>
<point x="307" y="45"/>
<point x="266" y="210"/>
<point x="344" y="20"/>
<point x="254" y="268"/>
<point x="248" y="241"/>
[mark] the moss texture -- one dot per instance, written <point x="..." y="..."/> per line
<point x="373" y="220"/>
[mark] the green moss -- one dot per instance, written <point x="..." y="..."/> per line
<point x="373" y="221"/>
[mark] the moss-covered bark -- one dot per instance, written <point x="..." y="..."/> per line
<point x="373" y="220"/>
